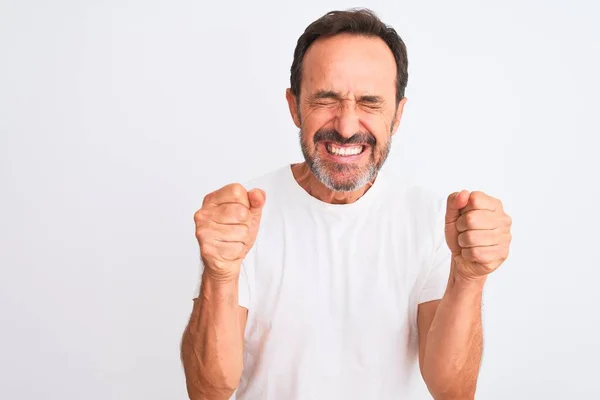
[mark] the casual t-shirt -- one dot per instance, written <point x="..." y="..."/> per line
<point x="332" y="290"/>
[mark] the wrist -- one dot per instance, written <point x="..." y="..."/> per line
<point x="213" y="287"/>
<point x="220" y="278"/>
<point x="462" y="282"/>
<point x="221" y="272"/>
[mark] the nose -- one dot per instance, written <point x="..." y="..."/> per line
<point x="346" y="121"/>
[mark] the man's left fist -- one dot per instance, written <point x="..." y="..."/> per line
<point x="477" y="233"/>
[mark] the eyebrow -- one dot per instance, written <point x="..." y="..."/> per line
<point x="330" y="94"/>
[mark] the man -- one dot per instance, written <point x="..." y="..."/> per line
<point x="328" y="279"/>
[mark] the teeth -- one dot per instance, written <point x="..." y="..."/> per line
<point x="344" y="151"/>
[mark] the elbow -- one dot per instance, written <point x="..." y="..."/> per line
<point x="204" y="388"/>
<point x="207" y="379"/>
<point x="228" y="384"/>
<point x="210" y="393"/>
<point x="454" y="391"/>
<point x="454" y="395"/>
<point x="450" y="386"/>
<point x="212" y="384"/>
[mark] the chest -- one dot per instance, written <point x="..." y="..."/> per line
<point x="335" y="273"/>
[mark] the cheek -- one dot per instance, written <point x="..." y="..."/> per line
<point x="379" y="126"/>
<point x="307" y="138"/>
<point x="312" y="122"/>
<point x="314" y="119"/>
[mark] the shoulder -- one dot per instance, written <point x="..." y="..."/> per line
<point x="417" y="199"/>
<point x="416" y="209"/>
<point x="268" y="181"/>
<point x="276" y="185"/>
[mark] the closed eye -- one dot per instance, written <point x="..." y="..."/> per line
<point x="328" y="98"/>
<point x="371" y="102"/>
<point x="326" y="103"/>
<point x="371" y="106"/>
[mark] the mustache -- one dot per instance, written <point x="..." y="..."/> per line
<point x="331" y="135"/>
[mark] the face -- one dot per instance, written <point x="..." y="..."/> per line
<point x="346" y="111"/>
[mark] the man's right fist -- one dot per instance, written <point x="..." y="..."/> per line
<point x="226" y="228"/>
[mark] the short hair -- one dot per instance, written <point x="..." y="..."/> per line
<point x="361" y="22"/>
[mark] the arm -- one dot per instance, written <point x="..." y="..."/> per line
<point x="478" y="235"/>
<point x="212" y="345"/>
<point x="451" y="340"/>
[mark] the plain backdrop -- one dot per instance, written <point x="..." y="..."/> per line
<point x="117" y="117"/>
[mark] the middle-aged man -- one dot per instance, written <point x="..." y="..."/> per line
<point x="329" y="279"/>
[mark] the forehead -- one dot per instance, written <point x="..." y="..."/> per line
<point x="349" y="64"/>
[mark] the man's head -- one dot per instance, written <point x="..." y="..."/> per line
<point x="347" y="94"/>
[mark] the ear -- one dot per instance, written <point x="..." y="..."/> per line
<point x="398" y="115"/>
<point x="293" y="106"/>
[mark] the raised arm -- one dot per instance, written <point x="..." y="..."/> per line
<point x="212" y="344"/>
<point x="451" y="342"/>
<point x="450" y="330"/>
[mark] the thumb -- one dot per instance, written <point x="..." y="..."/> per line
<point x="456" y="202"/>
<point x="257" y="199"/>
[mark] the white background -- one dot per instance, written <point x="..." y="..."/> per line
<point x="117" y="117"/>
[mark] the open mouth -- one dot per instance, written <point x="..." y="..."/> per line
<point x="344" y="151"/>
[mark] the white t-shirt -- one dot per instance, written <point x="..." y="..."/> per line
<point x="332" y="291"/>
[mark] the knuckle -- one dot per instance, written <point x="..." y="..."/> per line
<point x="477" y="253"/>
<point x="199" y="215"/>
<point x="208" y="198"/>
<point x="468" y="237"/>
<point x="462" y="239"/>
<point x="479" y="199"/>
<point x="240" y="212"/>
<point x="243" y="230"/>
<point x="233" y="212"/>
<point x="202" y="236"/>
<point x="461" y="223"/>
<point x="237" y="190"/>
<point x="470" y="219"/>
<point x="206" y="249"/>
<point x="475" y="199"/>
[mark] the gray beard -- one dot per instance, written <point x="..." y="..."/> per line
<point x="358" y="176"/>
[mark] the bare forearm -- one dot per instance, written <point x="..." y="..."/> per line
<point x="212" y="345"/>
<point x="454" y="341"/>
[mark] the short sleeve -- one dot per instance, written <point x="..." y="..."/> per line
<point x="243" y="285"/>
<point x="437" y="277"/>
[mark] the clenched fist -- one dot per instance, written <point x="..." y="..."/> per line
<point x="226" y="228"/>
<point x="477" y="233"/>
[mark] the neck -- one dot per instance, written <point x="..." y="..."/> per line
<point x="307" y="180"/>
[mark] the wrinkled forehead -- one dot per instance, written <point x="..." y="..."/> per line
<point x="352" y="65"/>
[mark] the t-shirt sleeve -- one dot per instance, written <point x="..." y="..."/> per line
<point x="243" y="285"/>
<point x="437" y="278"/>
